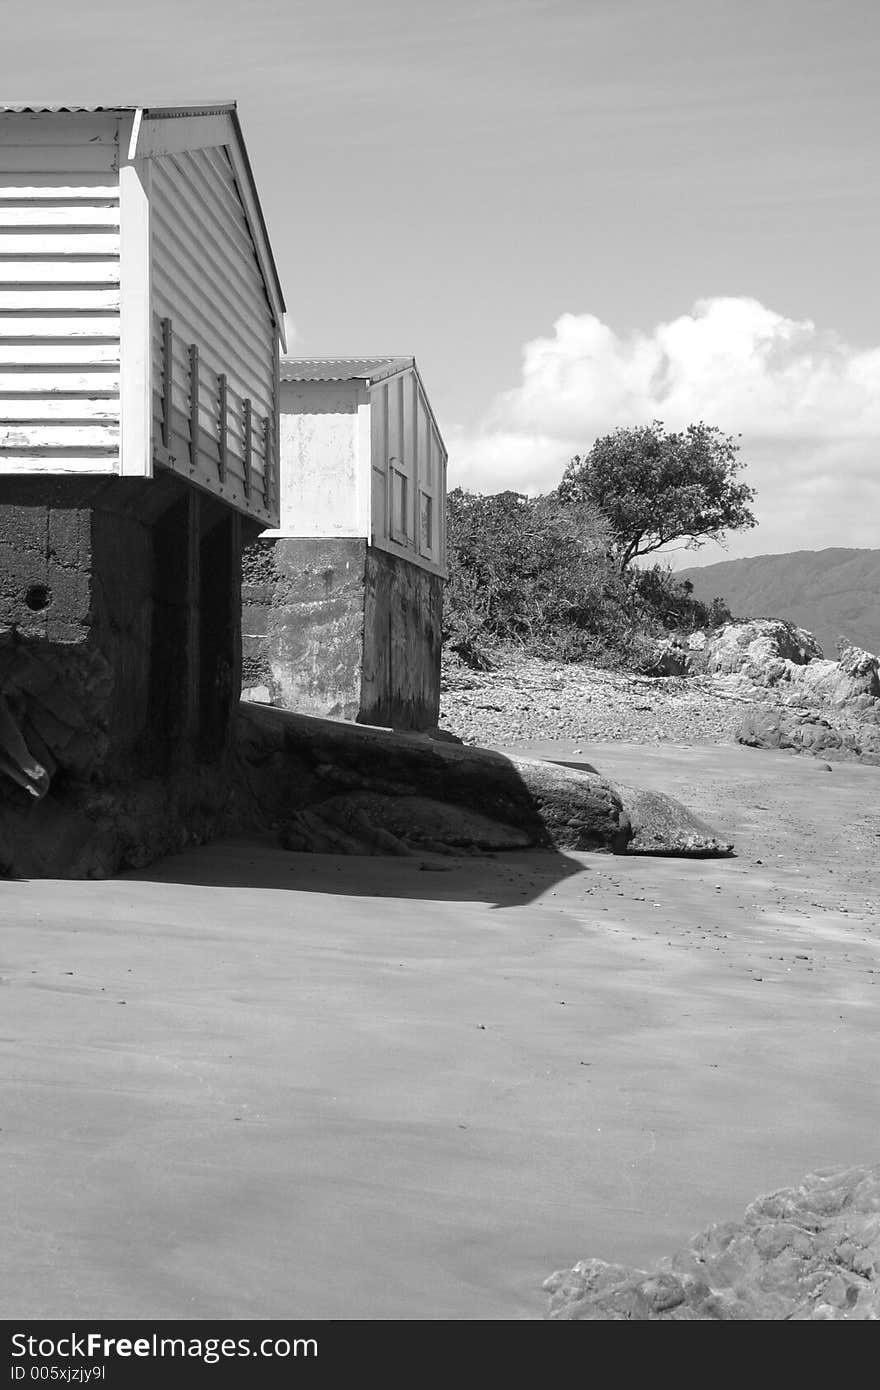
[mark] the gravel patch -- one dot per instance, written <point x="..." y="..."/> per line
<point x="534" y="699"/>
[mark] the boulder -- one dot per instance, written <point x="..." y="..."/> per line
<point x="296" y="763"/>
<point x="810" y="1252"/>
<point x="670" y="657"/>
<point x="806" y="731"/>
<point x="661" y="825"/>
<point x="369" y="823"/>
<point x="322" y="781"/>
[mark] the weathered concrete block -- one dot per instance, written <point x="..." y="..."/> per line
<point x="303" y="606"/>
<point x="24" y="527"/>
<point x="68" y="596"/>
<point x="403" y="615"/>
<point x="254" y="620"/>
<point x="69" y="538"/>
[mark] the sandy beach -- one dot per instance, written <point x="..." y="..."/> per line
<point x="249" y="1084"/>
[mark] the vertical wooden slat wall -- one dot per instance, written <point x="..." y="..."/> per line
<point x="59" y="294"/>
<point x="408" y="471"/>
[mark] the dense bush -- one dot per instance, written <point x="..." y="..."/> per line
<point x="523" y="570"/>
<point x="544" y="575"/>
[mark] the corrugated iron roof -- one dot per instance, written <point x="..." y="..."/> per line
<point x="43" y="107"/>
<point x="37" y="108"/>
<point x="342" y="368"/>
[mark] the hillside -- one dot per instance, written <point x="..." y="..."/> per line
<point x="833" y="592"/>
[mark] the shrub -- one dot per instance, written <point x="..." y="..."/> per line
<point x="669" y="601"/>
<point x="543" y="575"/>
<point x="522" y="570"/>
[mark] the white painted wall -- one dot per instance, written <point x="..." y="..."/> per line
<point x="59" y="315"/>
<point x="323" y="471"/>
<point x="364" y="461"/>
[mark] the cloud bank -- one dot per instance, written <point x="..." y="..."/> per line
<point x="806" y="404"/>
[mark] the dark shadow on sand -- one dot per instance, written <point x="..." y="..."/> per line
<point x="509" y="879"/>
<point x="578" y="767"/>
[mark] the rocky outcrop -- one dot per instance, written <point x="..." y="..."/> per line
<point x="56" y="695"/>
<point x="769" y="726"/>
<point x="830" y="708"/>
<point x="761" y="651"/>
<point x="367" y="790"/>
<point x="81" y="830"/>
<point x="670" y="657"/>
<point x="792" y="696"/>
<point x="802" y="1253"/>
<point x="296" y="764"/>
<point x="327" y="786"/>
<point x="851" y="684"/>
<point x="370" y="823"/>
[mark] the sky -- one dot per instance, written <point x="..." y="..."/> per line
<point x="577" y="214"/>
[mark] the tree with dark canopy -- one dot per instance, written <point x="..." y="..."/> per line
<point x="656" y="487"/>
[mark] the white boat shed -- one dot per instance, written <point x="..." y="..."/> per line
<point x="141" y="323"/>
<point x="362" y="455"/>
<point x="140" y="308"/>
<point x="350" y="625"/>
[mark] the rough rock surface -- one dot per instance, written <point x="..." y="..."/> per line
<point x="324" y="784"/>
<point x="661" y="825"/>
<point x="329" y="786"/>
<point x="852" y="682"/>
<point x="56" y="695"/>
<point x="802" y="1253"/>
<point x="831" y="708"/>
<point x="94" y="831"/>
<point x="761" y="649"/>
<point x="365" y="822"/>
<point x="297" y="764"/>
<point x="768" y="726"/>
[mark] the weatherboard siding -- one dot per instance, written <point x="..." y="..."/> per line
<point x="59" y="295"/>
<point x="207" y="285"/>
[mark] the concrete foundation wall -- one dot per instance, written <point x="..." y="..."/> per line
<point x="335" y="628"/>
<point x="119" y="610"/>
<point x="303" y="624"/>
<point x="403" y="613"/>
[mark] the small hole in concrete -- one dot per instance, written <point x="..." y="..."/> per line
<point x="38" y="596"/>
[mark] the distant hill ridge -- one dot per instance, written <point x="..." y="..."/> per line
<point x="833" y="593"/>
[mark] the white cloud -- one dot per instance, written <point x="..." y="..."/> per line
<point x="806" y="404"/>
